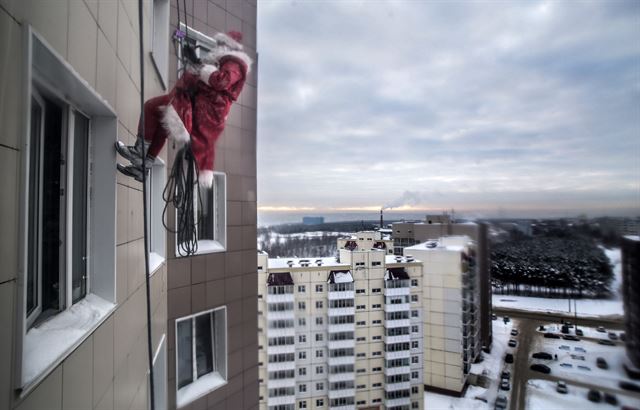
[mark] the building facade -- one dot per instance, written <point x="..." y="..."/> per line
<point x="72" y="286"/>
<point x="437" y="226"/>
<point x="340" y="333"/>
<point x="451" y="316"/>
<point x="631" y="297"/>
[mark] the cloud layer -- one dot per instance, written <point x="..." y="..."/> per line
<point x="470" y="105"/>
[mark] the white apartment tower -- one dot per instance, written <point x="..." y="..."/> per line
<point x="341" y="333"/>
<point x="451" y="314"/>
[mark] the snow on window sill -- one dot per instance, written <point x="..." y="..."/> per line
<point x="155" y="261"/>
<point x="199" y="388"/>
<point x="54" y="339"/>
<point x="206" y="246"/>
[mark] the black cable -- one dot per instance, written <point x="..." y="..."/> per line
<point x="145" y="216"/>
<point x="179" y="192"/>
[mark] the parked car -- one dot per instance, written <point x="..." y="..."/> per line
<point x="494" y="317"/>
<point x="611" y="399"/>
<point x="504" y="385"/>
<point x="564" y="329"/>
<point x="606" y="342"/>
<point x="561" y="387"/>
<point x="514" y="332"/>
<point x="506" y="319"/>
<point x="577" y="357"/>
<point x="542" y="355"/>
<point x="587" y="368"/>
<point x="567" y="365"/>
<point x="579" y="332"/>
<point x="508" y="358"/>
<point x="579" y="349"/>
<point x="571" y="337"/>
<point x="613" y="336"/>
<point x="540" y="368"/>
<point x="594" y="396"/>
<point x="601" y="329"/>
<point x="629" y="386"/>
<point x="551" y="336"/>
<point x="601" y="363"/>
<point x="512" y="343"/>
<point x="564" y="347"/>
<point x="623" y="337"/>
<point x="506" y="374"/>
<point x="501" y="403"/>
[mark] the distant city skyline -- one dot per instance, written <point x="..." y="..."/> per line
<point x="525" y="107"/>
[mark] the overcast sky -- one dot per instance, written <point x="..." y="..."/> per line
<point x="435" y="105"/>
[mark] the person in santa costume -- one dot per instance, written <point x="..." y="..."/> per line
<point x="195" y="111"/>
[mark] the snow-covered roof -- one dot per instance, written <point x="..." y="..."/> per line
<point x="340" y="276"/>
<point x="391" y="259"/>
<point x="633" y="237"/>
<point x="455" y="244"/>
<point x="284" y="263"/>
<point x="396" y="274"/>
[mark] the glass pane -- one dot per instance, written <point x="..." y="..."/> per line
<point x="204" y="348"/>
<point x="185" y="356"/>
<point x="79" y="222"/>
<point x="34" y="201"/>
<point x="206" y="214"/>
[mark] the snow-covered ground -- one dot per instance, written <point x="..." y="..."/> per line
<point x="586" y="331"/>
<point x="491" y="367"/>
<point x="542" y="395"/>
<point x="586" y="307"/>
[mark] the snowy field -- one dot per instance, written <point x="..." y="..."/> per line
<point x="491" y="367"/>
<point x="586" y="307"/>
<point x="542" y="395"/>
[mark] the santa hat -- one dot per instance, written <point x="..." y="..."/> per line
<point x="233" y="39"/>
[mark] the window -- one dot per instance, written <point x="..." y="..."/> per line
<point x="359" y="263"/>
<point x="377" y="338"/>
<point x="376" y="306"/>
<point x="301" y="289"/>
<point x="376" y="263"/>
<point x="302" y="388"/>
<point x="361" y="370"/>
<point x="319" y="320"/>
<point x="302" y="338"/>
<point x="414" y="313"/>
<point x="319" y="353"/>
<point x="415" y="375"/>
<point x="318" y="288"/>
<point x="319" y="304"/>
<point x="414" y="344"/>
<point x="415" y="389"/>
<point x="415" y="405"/>
<point x="319" y="370"/>
<point x="414" y="283"/>
<point x="375" y="290"/>
<point x="211" y="217"/>
<point x="160" y="375"/>
<point x="302" y="355"/>
<point x="160" y="41"/>
<point x="302" y="321"/>
<point x="320" y="402"/>
<point x="156" y="232"/>
<point x="361" y="323"/>
<point x="376" y="369"/>
<point x="201" y="353"/>
<point x="361" y="339"/>
<point x="361" y="355"/>
<point x="301" y="306"/>
<point x="302" y="404"/>
<point x="376" y="385"/>
<point x="414" y="329"/>
<point x="361" y="307"/>
<point x="69" y="227"/>
<point x="414" y="359"/>
<point x="361" y="386"/>
<point x="318" y="337"/>
<point x="376" y="354"/>
<point x="302" y="371"/>
<point x="414" y="298"/>
<point x="376" y="322"/>
<point x="359" y="291"/>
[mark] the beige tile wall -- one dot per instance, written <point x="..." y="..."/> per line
<point x="99" y="40"/>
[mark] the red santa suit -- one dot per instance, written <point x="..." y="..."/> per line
<point x="196" y="109"/>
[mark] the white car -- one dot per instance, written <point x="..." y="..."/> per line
<point x="562" y="387"/>
<point x="504" y="385"/>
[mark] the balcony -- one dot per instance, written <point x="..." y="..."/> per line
<point x="397" y="291"/>
<point x="345" y="327"/>
<point x="341" y="377"/>
<point x="335" y="361"/>
<point x="281" y="400"/>
<point x="281" y="332"/>
<point x="282" y="315"/>
<point x="397" y="386"/>
<point x="346" y="311"/>
<point x="397" y="323"/>
<point x="404" y="401"/>
<point x="400" y="307"/>
<point x="343" y="294"/>
<point x="278" y="383"/>
<point x="281" y="349"/>
<point x="403" y="354"/>
<point x="342" y="344"/>
<point x="336" y="394"/>
<point x="287" y="297"/>
<point x="274" y="367"/>
<point x="397" y="339"/>
<point x="392" y="371"/>
<point x="345" y="407"/>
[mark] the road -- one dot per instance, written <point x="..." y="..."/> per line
<point x="613" y="322"/>
<point x="528" y="323"/>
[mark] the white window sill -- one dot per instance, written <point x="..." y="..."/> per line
<point x="155" y="261"/>
<point x="54" y="339"/>
<point x="199" y="388"/>
<point x="206" y="246"/>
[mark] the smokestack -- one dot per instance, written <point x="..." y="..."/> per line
<point x="381" y="220"/>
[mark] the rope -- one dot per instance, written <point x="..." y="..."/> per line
<point x="179" y="192"/>
<point x="145" y="216"/>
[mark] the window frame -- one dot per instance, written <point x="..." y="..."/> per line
<point x="219" y="242"/>
<point x="48" y="73"/>
<point x="222" y="372"/>
<point x="161" y="28"/>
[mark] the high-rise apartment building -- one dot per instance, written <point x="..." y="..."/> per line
<point x="437" y="226"/>
<point x="72" y="283"/>
<point x="367" y="240"/>
<point x="631" y="297"/>
<point x="451" y="316"/>
<point x="341" y="333"/>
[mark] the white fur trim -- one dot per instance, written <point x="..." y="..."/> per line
<point x="206" y="71"/>
<point x="205" y="178"/>
<point x="222" y="38"/>
<point x="215" y="55"/>
<point x="242" y="56"/>
<point x="173" y="124"/>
